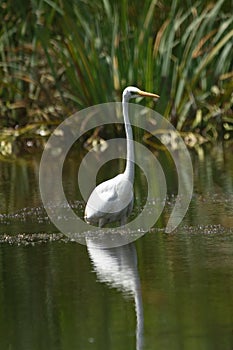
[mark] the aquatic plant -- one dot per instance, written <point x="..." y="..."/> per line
<point x="57" y="57"/>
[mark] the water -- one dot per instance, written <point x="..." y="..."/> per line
<point x="164" y="291"/>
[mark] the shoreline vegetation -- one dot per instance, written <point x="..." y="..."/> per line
<point x="58" y="57"/>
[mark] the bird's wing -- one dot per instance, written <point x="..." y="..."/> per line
<point x="117" y="190"/>
<point x="108" y="190"/>
<point x="110" y="197"/>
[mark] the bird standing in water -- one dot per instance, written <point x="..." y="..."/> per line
<point x="112" y="200"/>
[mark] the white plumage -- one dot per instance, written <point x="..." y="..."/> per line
<point x="112" y="200"/>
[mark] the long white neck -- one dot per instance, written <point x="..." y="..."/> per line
<point x="129" y="170"/>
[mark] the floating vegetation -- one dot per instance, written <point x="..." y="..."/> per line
<point x="31" y="238"/>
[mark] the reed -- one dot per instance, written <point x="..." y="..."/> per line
<point x="57" y="57"/>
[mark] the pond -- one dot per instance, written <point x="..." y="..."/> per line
<point x="163" y="291"/>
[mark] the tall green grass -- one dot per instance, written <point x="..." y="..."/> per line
<point x="59" y="56"/>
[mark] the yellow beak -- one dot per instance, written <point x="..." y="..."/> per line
<point x="147" y="94"/>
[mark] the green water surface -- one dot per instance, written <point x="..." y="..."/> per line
<point x="164" y="291"/>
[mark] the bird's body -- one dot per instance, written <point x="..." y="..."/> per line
<point x="111" y="196"/>
<point x="112" y="200"/>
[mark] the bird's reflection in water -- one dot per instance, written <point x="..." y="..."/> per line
<point x="117" y="267"/>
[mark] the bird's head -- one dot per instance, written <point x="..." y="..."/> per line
<point x="133" y="92"/>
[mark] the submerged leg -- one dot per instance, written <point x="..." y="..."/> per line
<point x="101" y="222"/>
<point x="123" y="220"/>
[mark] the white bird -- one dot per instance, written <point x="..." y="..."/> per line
<point x="112" y="200"/>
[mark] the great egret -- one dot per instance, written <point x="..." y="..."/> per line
<point x="112" y="200"/>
